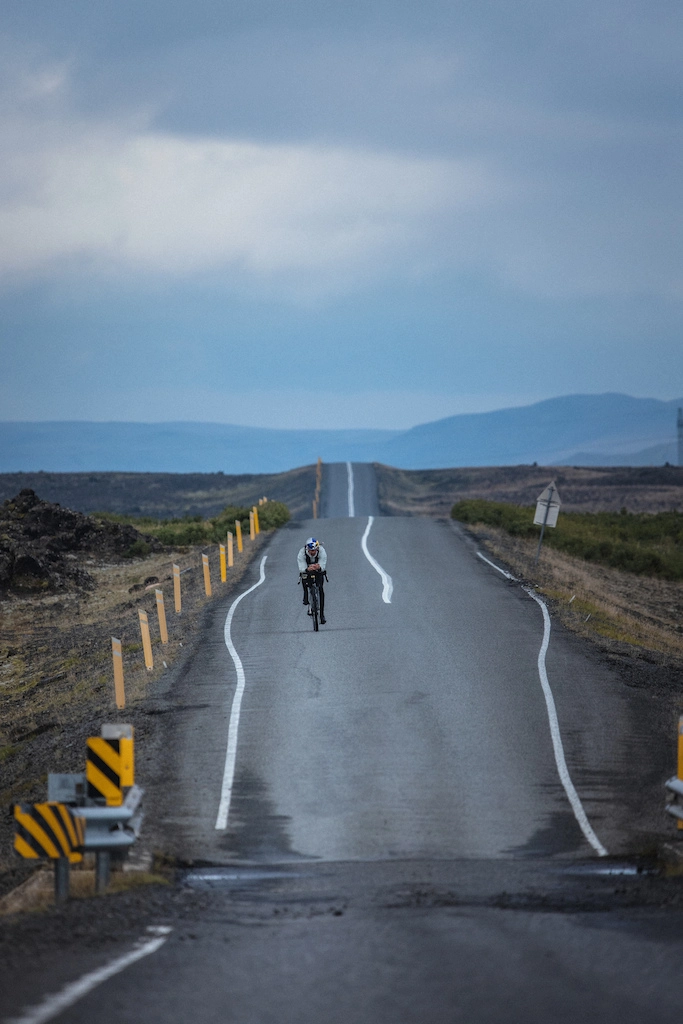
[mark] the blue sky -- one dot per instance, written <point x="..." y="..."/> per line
<point x="311" y="214"/>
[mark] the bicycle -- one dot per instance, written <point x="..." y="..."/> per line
<point x="312" y="579"/>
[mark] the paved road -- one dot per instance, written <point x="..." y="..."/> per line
<point x="398" y="841"/>
<point x="415" y="728"/>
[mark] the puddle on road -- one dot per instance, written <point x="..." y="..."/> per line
<point x="601" y="870"/>
<point x="231" y="876"/>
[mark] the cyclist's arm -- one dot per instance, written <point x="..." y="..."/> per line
<point x="322" y="558"/>
<point x="301" y="560"/>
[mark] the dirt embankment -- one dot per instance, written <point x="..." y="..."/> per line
<point x="56" y="679"/>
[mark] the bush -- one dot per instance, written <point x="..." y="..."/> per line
<point x="138" y="549"/>
<point x="642" y="543"/>
<point x="273" y="515"/>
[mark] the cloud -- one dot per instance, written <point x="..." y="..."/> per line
<point x="548" y="200"/>
<point x="116" y="196"/>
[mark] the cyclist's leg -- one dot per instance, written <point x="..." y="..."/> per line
<point x="321" y="592"/>
<point x="305" y="589"/>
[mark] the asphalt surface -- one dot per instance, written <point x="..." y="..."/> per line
<point x="398" y="844"/>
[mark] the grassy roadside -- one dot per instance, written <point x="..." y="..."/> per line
<point x="624" y="614"/>
<point x="641" y="543"/>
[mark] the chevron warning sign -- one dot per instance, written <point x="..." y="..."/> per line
<point x="109" y="768"/>
<point x="48" y="830"/>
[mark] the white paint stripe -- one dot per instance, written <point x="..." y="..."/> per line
<point x="52" y="1006"/>
<point x="387" y="582"/>
<point x="349" y="474"/>
<point x="558" y="749"/>
<point x="233" y="727"/>
<point x="497" y="567"/>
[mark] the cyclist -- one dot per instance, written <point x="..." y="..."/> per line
<point x="313" y="556"/>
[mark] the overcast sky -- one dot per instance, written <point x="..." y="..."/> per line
<point x="367" y="213"/>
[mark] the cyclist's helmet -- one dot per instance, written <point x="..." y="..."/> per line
<point x="312" y="546"/>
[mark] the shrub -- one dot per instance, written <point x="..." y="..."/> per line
<point x="138" y="549"/>
<point x="643" y="543"/>
<point x="273" y="515"/>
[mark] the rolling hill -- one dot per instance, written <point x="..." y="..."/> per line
<point x="608" y="429"/>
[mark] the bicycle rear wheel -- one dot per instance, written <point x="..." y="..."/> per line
<point x="314" y="606"/>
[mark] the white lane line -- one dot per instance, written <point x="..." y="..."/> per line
<point x="497" y="567"/>
<point x="53" y="1005"/>
<point x="349" y="475"/>
<point x="231" y="752"/>
<point x="387" y="582"/>
<point x="558" y="749"/>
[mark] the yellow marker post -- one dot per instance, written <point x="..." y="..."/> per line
<point x="224" y="575"/>
<point x="161" y="612"/>
<point x="176" y="588"/>
<point x="265" y="500"/>
<point x="146" y="641"/>
<point x="231" y="553"/>
<point x="238" y="533"/>
<point x="117" y="657"/>
<point x="314" y="503"/>
<point x="260" y="501"/>
<point x="256" y="522"/>
<point x="207" y="575"/>
<point x="252" y="534"/>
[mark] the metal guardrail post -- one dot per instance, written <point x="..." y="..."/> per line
<point x="62" y="872"/>
<point x="102" y="871"/>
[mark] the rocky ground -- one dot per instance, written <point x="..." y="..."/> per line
<point x="45" y="548"/>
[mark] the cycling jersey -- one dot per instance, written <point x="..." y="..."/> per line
<point x="304" y="559"/>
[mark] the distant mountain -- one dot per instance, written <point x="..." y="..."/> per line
<point x="608" y="429"/>
<point x="658" y="455"/>
<point x="549" y="432"/>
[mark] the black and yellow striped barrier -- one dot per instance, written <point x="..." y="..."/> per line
<point x="48" y="830"/>
<point x="109" y="768"/>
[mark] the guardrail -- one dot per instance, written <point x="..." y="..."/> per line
<point x="98" y="811"/>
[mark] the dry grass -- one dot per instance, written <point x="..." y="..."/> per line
<point x="600" y="603"/>
<point x="36" y="894"/>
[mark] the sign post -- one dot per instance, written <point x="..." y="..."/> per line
<point x="547" y="511"/>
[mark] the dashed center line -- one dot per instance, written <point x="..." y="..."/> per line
<point x="387" y="582"/>
<point x="349" y="476"/>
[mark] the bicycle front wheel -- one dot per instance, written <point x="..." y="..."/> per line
<point x="314" y="607"/>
